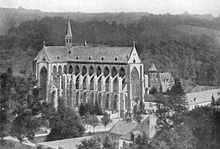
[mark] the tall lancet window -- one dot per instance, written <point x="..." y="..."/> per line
<point x="135" y="82"/>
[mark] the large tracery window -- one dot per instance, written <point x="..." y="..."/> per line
<point x="43" y="80"/>
<point x="135" y="82"/>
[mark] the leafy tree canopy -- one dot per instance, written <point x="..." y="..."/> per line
<point x="65" y="123"/>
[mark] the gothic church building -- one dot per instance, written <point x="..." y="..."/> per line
<point x="111" y="76"/>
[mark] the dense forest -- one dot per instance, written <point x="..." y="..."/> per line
<point x="189" y="47"/>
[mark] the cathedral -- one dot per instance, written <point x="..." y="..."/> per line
<point x="113" y="77"/>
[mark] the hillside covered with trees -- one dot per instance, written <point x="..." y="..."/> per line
<point x="189" y="47"/>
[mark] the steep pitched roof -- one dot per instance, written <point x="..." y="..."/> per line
<point x="141" y="127"/>
<point x="43" y="55"/>
<point x="101" y="54"/>
<point x="153" y="68"/>
<point x="57" y="53"/>
<point x="123" y="127"/>
<point x="134" y="56"/>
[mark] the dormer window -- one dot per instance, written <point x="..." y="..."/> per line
<point x="77" y="57"/>
<point x="89" y="58"/>
<point x="102" y="58"/>
<point x="116" y="59"/>
<point x="69" y="52"/>
<point x="58" y="57"/>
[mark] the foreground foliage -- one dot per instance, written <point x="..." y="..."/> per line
<point x="93" y="143"/>
<point x="65" y="123"/>
<point x="21" y="106"/>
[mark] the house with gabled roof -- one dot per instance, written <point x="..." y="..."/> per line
<point x="124" y="131"/>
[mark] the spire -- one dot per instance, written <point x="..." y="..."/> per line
<point x="153" y="68"/>
<point x="68" y="37"/>
<point x="68" y="30"/>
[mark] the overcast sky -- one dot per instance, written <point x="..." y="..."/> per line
<point x="151" y="6"/>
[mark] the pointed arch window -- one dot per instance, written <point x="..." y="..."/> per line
<point x="135" y="82"/>
<point x="65" y="69"/>
<point x="70" y="69"/>
<point x="114" y="71"/>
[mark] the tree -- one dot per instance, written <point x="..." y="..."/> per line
<point x="179" y="137"/>
<point x="171" y="107"/>
<point x="127" y="117"/>
<point x="126" y="146"/>
<point x="142" y="142"/>
<point x="108" y="144"/>
<point x="6" y="84"/>
<point x="93" y="143"/>
<point x="82" y="109"/>
<point x="93" y="121"/>
<point x="27" y="108"/>
<point x="137" y="114"/>
<point x="86" y="118"/>
<point x="98" y="109"/>
<point x="201" y="122"/>
<point x="142" y="107"/>
<point x="105" y="120"/>
<point x="65" y="123"/>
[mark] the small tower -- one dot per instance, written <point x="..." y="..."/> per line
<point x="153" y="68"/>
<point x="68" y="37"/>
<point x="153" y="72"/>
